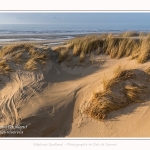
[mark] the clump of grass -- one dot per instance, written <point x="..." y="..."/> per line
<point x="144" y="51"/>
<point x="32" y="51"/>
<point x="100" y="108"/>
<point x="132" y="93"/>
<point x="132" y="47"/>
<point x="82" y="56"/>
<point x="36" y="57"/>
<point x="31" y="64"/>
<point x="111" y="43"/>
<point x="40" y="56"/>
<point x="120" y="74"/>
<point x="63" y="53"/>
<point x="109" y="100"/>
<point x="77" y="50"/>
<point x="117" y="46"/>
<point x="113" y="52"/>
<point x="17" y="57"/>
<point x="81" y="46"/>
<point x="14" y="47"/>
<point x="4" y="67"/>
<point x="26" y="55"/>
<point x="122" y="48"/>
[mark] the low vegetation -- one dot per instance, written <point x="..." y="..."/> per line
<point x="120" y="74"/>
<point x="119" y="91"/>
<point x="4" y="67"/>
<point x="26" y="55"/>
<point x="136" y="45"/>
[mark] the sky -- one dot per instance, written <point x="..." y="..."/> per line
<point x="72" y="18"/>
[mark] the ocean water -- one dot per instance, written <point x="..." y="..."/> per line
<point x="70" y="28"/>
<point x="67" y="30"/>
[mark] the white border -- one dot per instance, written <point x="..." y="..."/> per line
<point x="74" y="11"/>
<point x="80" y="144"/>
<point x="86" y="5"/>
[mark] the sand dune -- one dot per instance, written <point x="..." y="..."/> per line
<point x="49" y="98"/>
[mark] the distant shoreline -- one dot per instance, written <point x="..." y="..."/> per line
<point x="49" y="39"/>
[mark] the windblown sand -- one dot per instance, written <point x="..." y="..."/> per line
<point x="51" y="100"/>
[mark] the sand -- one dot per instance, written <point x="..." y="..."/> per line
<point x="51" y="102"/>
<point x="47" y="39"/>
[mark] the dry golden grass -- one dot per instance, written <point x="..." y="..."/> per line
<point x="122" y="51"/>
<point x="120" y="74"/>
<point x="14" y="47"/>
<point x="82" y="56"/>
<point x="4" y="67"/>
<point x="17" y="57"/>
<point x="122" y="45"/>
<point x="63" y="53"/>
<point x="113" y="52"/>
<point x="25" y="54"/>
<point x="117" y="46"/>
<point x="31" y="64"/>
<point x="36" y="57"/>
<point x="132" y="93"/>
<point x="100" y="108"/>
<point x="132" y="47"/>
<point x="108" y="100"/>
<point x="111" y="44"/>
<point x="85" y="44"/>
<point x="77" y="50"/>
<point x="81" y="46"/>
<point x="144" y="51"/>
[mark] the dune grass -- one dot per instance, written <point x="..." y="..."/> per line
<point x="4" y="67"/>
<point x="31" y="64"/>
<point x="116" y="94"/>
<point x="27" y="55"/>
<point x="117" y="46"/>
<point x="144" y="52"/>
<point x="9" y="49"/>
<point x="120" y="74"/>
<point x="63" y="55"/>
<point x="132" y="93"/>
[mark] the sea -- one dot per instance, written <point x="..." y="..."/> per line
<point x="68" y="29"/>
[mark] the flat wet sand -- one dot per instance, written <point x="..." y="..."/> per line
<point x="47" y="39"/>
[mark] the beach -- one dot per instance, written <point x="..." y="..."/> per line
<point x="50" y="39"/>
<point x="52" y="89"/>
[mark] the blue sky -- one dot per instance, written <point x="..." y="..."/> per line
<point x="70" y="17"/>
